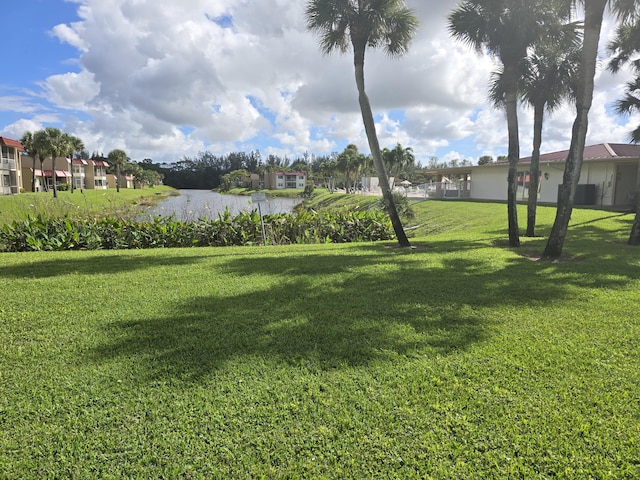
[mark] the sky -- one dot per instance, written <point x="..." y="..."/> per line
<point x="166" y="79"/>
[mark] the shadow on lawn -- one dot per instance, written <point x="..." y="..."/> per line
<point x="95" y="264"/>
<point x="324" y="312"/>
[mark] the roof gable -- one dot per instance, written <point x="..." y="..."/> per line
<point x="8" y="142"/>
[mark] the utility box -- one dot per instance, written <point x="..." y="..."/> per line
<point x="585" y="194"/>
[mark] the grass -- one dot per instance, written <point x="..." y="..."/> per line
<point x="90" y="202"/>
<point x="456" y="359"/>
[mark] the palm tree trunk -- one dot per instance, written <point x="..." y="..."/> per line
<point x="374" y="146"/>
<point x="33" y="175"/>
<point x="53" y="176"/>
<point x="634" y="238"/>
<point x="594" y="12"/>
<point x="117" y="177"/>
<point x="44" y="181"/>
<point x="511" y="97"/>
<point x="534" y="171"/>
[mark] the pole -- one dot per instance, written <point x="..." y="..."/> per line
<point x="264" y="236"/>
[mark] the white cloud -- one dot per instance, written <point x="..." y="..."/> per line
<point x="148" y="71"/>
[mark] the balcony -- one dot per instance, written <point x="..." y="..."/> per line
<point x="7" y="164"/>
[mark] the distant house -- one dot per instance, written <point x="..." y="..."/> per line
<point x="608" y="178"/>
<point x="10" y="166"/>
<point x="79" y="169"/>
<point x="280" y="180"/>
<point x="96" y="174"/>
<point x="126" y="181"/>
<point x="372" y="184"/>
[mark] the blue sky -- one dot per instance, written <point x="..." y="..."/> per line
<point x="164" y="80"/>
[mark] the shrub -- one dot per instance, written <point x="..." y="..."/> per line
<point x="73" y="233"/>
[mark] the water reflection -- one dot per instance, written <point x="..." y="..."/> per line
<point x="195" y="204"/>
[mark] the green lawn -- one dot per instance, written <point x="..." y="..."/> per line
<point x="457" y="359"/>
<point x="92" y="202"/>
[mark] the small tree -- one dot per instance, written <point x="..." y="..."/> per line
<point x="118" y="158"/>
<point x="30" y="146"/>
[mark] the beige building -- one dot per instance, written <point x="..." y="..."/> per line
<point x="281" y="180"/>
<point x="126" y="181"/>
<point x="85" y="174"/>
<point x="608" y="178"/>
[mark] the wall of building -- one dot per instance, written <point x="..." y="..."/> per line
<point x="490" y="183"/>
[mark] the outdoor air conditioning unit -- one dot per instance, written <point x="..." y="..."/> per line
<point x="585" y="194"/>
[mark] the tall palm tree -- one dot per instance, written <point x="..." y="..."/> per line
<point x="549" y="75"/>
<point x="506" y="29"/>
<point x="593" y="16"/>
<point x="630" y="103"/>
<point x="625" y="48"/>
<point x="41" y="146"/>
<point x="386" y="24"/>
<point x="30" y="146"/>
<point x="55" y="143"/>
<point x="118" y="158"/>
<point x="77" y="147"/>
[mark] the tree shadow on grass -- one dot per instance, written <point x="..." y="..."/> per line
<point x="91" y="264"/>
<point x="326" y="311"/>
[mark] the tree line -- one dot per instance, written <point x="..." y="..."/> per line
<point x="335" y="170"/>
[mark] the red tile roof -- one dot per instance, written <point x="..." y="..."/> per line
<point x="600" y="151"/>
<point x="8" y="142"/>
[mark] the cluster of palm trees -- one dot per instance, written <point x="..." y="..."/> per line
<point x="351" y="165"/>
<point x="545" y="59"/>
<point x="50" y="142"/>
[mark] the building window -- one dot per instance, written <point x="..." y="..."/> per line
<point x="301" y="177"/>
<point x="6" y="181"/>
<point x="280" y="177"/>
<point x="8" y="153"/>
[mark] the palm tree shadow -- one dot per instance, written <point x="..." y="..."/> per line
<point x="323" y="315"/>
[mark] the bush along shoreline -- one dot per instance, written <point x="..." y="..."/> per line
<point x="40" y="233"/>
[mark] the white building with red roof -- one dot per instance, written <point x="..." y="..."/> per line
<point x="609" y="176"/>
<point x="10" y="166"/>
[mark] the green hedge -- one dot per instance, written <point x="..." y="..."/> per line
<point x="67" y="233"/>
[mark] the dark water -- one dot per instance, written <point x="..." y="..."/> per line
<point x="194" y="204"/>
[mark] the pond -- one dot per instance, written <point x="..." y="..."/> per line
<point x="194" y="204"/>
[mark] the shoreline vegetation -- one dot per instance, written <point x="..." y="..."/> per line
<point x="81" y="203"/>
<point x="461" y="358"/>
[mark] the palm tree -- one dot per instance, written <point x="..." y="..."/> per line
<point x="77" y="147"/>
<point x="397" y="159"/>
<point x="506" y="29"/>
<point x="40" y="144"/>
<point x="30" y="146"/>
<point x="593" y="16"/>
<point x="349" y="160"/>
<point x="386" y="24"/>
<point x="623" y="47"/>
<point x="55" y="143"/>
<point x="549" y="75"/>
<point x="120" y="159"/>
